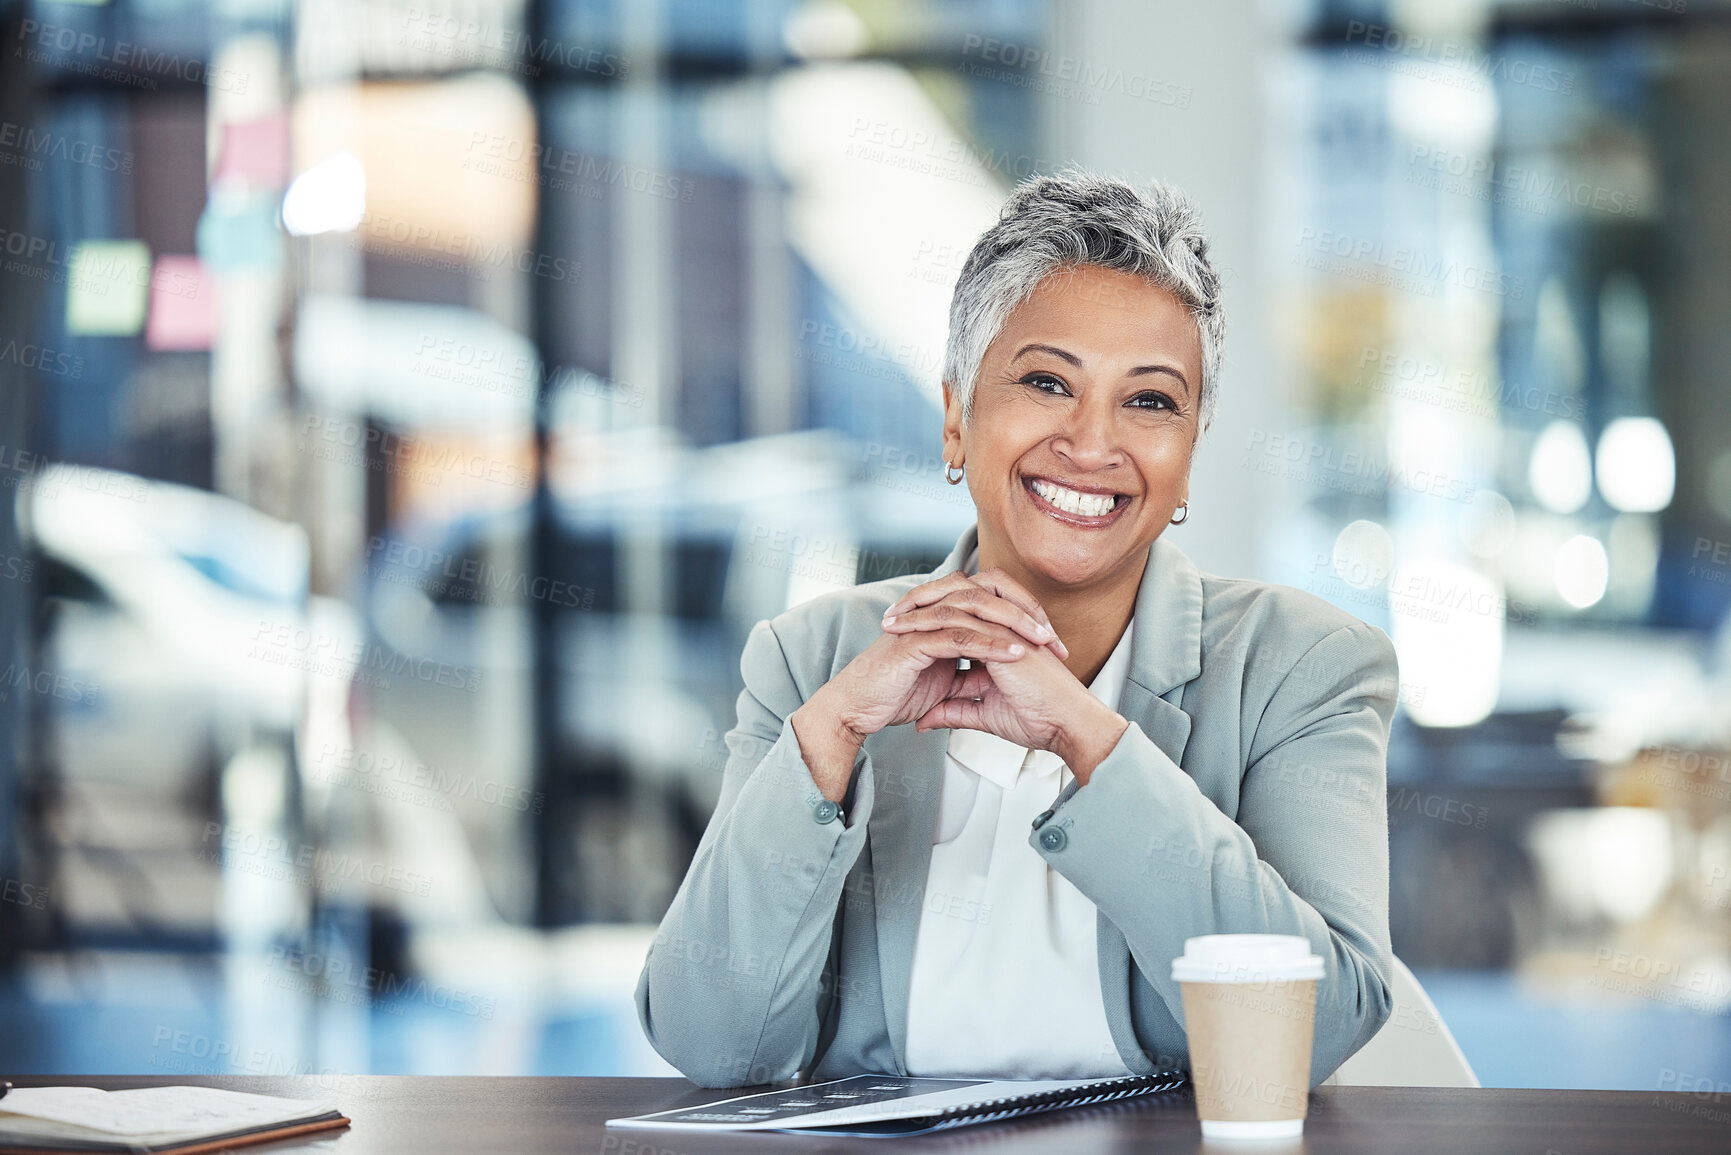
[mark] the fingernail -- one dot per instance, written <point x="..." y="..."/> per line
<point x="1017" y="649"/>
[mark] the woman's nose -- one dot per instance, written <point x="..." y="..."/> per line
<point x="1089" y="437"/>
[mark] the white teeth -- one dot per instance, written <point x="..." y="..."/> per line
<point x="1068" y="500"/>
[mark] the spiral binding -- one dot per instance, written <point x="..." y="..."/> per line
<point x="992" y="1110"/>
<point x="967" y="1114"/>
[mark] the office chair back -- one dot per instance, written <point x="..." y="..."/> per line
<point x="1413" y="1049"/>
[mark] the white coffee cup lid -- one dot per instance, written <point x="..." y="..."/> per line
<point x="1247" y="958"/>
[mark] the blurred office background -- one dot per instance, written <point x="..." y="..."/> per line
<point x="406" y="409"/>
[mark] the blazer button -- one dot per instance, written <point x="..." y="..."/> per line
<point x="1052" y="838"/>
<point x="826" y="811"/>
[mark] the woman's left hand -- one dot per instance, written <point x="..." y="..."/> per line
<point x="1033" y="701"/>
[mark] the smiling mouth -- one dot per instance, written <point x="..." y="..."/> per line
<point x="1073" y="506"/>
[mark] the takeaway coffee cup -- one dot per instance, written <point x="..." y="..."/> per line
<point x="1249" y="1013"/>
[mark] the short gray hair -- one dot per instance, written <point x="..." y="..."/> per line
<point x="1055" y="223"/>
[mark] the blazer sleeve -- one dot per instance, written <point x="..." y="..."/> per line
<point x="733" y="989"/>
<point x="1307" y="855"/>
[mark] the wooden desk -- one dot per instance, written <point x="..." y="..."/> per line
<point x="431" y="1116"/>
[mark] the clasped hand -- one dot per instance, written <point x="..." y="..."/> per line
<point x="1017" y="686"/>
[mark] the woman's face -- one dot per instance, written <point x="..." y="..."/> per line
<point x="1085" y="415"/>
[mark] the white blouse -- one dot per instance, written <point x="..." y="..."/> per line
<point x="1006" y="978"/>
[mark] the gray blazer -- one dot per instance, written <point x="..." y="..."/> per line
<point x="1247" y="795"/>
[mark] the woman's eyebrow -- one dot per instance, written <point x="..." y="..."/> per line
<point x="1036" y="347"/>
<point x="1140" y="370"/>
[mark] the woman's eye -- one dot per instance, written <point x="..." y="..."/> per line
<point x="1041" y="380"/>
<point x="1152" y="401"/>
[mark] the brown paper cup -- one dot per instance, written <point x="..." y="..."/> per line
<point x="1250" y="1029"/>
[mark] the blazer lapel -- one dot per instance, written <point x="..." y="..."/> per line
<point x="1167" y="651"/>
<point x="1167" y="726"/>
<point x="900" y="834"/>
<point x="1165" y="655"/>
<point x="1165" y="647"/>
<point x="909" y="771"/>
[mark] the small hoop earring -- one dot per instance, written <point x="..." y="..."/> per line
<point x="1185" y="511"/>
<point x="961" y="471"/>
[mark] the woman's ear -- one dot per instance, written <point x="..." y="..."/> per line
<point x="952" y="425"/>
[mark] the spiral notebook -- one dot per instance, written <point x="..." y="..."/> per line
<point x="146" y="1120"/>
<point x="888" y="1105"/>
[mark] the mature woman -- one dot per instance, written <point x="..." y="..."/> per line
<point x="921" y="869"/>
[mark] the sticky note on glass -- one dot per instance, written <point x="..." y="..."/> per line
<point x="256" y="150"/>
<point x="240" y="232"/>
<point x="107" y="288"/>
<point x="182" y="304"/>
